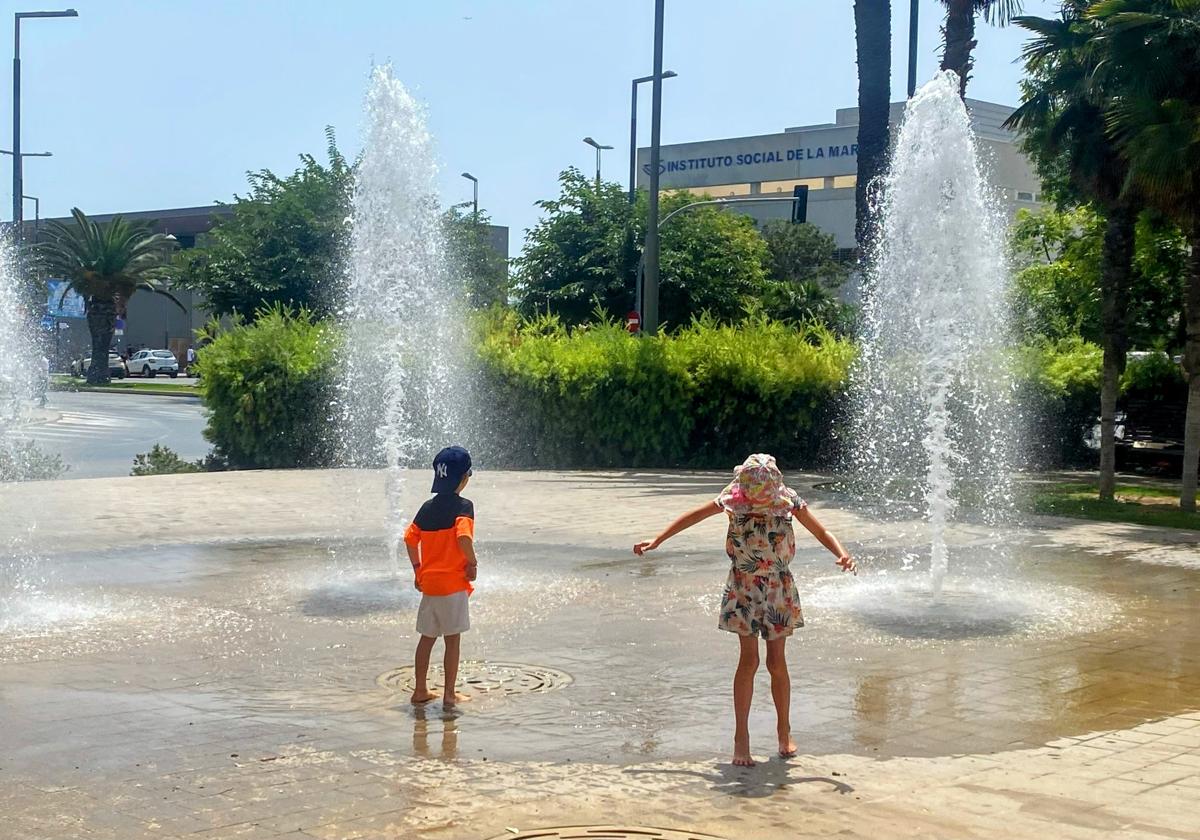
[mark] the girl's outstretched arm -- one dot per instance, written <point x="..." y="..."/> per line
<point x="806" y="518"/>
<point x="681" y="524"/>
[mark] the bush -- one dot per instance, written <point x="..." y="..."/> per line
<point x="267" y="386"/>
<point x="164" y="461"/>
<point x="1058" y="384"/>
<point x="23" y="460"/>
<point x="703" y="396"/>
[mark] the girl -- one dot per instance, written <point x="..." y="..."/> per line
<point x="760" y="595"/>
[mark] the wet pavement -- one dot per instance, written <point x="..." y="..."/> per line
<point x="161" y="684"/>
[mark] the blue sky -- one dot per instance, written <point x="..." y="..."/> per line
<point x="149" y="104"/>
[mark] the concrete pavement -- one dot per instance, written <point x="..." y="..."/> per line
<point x="240" y="672"/>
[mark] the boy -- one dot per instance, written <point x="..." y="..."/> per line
<point x="441" y="548"/>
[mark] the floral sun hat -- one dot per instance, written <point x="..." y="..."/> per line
<point x="758" y="487"/>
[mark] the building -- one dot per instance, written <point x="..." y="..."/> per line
<point x="825" y="159"/>
<point x="153" y="320"/>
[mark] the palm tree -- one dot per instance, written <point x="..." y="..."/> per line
<point x="1068" y="91"/>
<point x="958" y="34"/>
<point x="873" y="41"/>
<point x="105" y="264"/>
<point x="1155" y="45"/>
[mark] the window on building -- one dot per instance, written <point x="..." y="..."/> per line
<point x="841" y="182"/>
<point x="719" y="191"/>
<point x="787" y="187"/>
<point x="1024" y="196"/>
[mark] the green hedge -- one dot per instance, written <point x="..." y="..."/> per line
<point x="268" y="387"/>
<point x="701" y="396"/>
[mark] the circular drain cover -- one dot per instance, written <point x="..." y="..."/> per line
<point x="485" y="678"/>
<point x="605" y="832"/>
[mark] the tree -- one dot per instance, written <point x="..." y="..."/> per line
<point x="1056" y="289"/>
<point x="803" y="276"/>
<point x="105" y="264"/>
<point x="284" y="243"/>
<point x="958" y="34"/>
<point x="1065" y="97"/>
<point x="1154" y="45"/>
<point x="469" y="248"/>
<point x="873" y="45"/>
<point x="578" y="256"/>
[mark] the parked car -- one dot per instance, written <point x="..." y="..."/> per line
<point x="116" y="366"/>
<point x="151" y="362"/>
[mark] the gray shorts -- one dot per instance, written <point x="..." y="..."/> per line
<point x="443" y="615"/>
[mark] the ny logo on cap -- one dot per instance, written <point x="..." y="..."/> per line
<point x="442" y="471"/>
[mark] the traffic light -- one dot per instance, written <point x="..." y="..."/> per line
<point x="800" y="204"/>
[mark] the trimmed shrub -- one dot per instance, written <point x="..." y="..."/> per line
<point x="703" y="396"/>
<point x="267" y="386"/>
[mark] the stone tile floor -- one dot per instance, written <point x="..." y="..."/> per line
<point x="217" y="676"/>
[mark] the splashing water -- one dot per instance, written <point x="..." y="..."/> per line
<point x="402" y="393"/>
<point x="932" y="399"/>
<point x="20" y="369"/>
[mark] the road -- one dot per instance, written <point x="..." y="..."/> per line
<point x="98" y="435"/>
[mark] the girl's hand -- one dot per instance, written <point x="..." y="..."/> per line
<point x="846" y="562"/>
<point x="644" y="546"/>
<point x="472" y="571"/>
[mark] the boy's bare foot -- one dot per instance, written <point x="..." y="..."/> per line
<point x="452" y="700"/>
<point x="787" y="747"/>
<point x="741" y="752"/>
<point x="420" y="697"/>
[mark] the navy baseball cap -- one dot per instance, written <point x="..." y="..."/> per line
<point x="449" y="467"/>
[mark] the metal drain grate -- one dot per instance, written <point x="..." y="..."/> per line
<point x="486" y="678"/>
<point x="604" y="832"/>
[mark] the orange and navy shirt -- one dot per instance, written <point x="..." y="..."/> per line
<point x="436" y="529"/>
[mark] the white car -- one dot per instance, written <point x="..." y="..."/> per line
<point x="151" y="362"/>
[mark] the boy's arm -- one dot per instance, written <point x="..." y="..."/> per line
<point x="826" y="539"/>
<point x="414" y="557"/>
<point x="681" y="524"/>
<point x="467" y="546"/>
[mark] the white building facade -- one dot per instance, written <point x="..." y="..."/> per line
<point x="825" y="159"/>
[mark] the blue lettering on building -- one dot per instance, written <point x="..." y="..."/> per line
<point x="758" y="158"/>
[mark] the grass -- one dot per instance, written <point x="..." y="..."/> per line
<point x="61" y="382"/>
<point x="1135" y="504"/>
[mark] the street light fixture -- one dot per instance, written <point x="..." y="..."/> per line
<point x="475" y="187"/>
<point x="28" y="154"/>
<point x="599" y="148"/>
<point x="17" y="188"/>
<point x="667" y="74"/>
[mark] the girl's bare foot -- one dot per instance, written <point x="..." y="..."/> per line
<point x="787" y="747"/>
<point x="452" y="700"/>
<point x="741" y="752"/>
<point x="425" y="696"/>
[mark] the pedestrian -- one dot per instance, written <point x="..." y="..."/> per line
<point x="191" y="358"/>
<point x="441" y="548"/>
<point x="760" y="597"/>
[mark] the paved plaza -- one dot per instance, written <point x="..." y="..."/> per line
<point x="238" y="668"/>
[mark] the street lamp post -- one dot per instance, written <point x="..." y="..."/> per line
<point x="650" y="285"/>
<point x="669" y="74"/>
<point x="475" y="186"/>
<point x="599" y="148"/>
<point x="912" y="47"/>
<point x="37" y="215"/>
<point x="18" y="186"/>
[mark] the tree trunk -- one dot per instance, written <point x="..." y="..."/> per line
<point x="1191" y="366"/>
<point x="101" y="321"/>
<point x="958" y="36"/>
<point x="1117" y="259"/>
<point x="873" y="41"/>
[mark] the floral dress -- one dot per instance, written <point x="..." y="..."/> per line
<point x="760" y="595"/>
